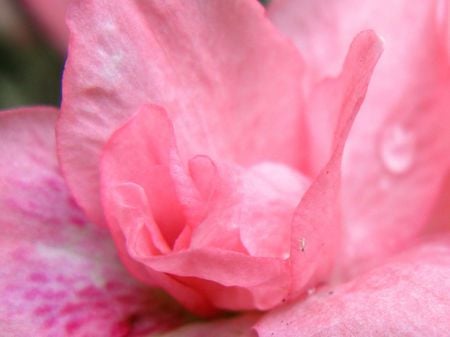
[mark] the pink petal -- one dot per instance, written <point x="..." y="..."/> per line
<point x="229" y="214"/>
<point x="60" y="275"/>
<point x="217" y="68"/>
<point x="210" y="262"/>
<point x="235" y="327"/>
<point x="51" y="15"/>
<point x="407" y="296"/>
<point x="441" y="210"/>
<point x="394" y="155"/>
<point x="316" y="230"/>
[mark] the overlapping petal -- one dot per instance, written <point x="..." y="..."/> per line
<point x="408" y="296"/>
<point x="219" y="68"/>
<point x="233" y="237"/>
<point x="184" y="242"/>
<point x="317" y="231"/>
<point x="60" y="275"/>
<point x="395" y="154"/>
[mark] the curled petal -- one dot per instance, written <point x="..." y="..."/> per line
<point x="208" y="256"/>
<point x="227" y="228"/>
<point x="316" y="228"/>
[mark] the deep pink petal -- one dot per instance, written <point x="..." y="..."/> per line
<point x="60" y="275"/>
<point x="316" y="230"/>
<point x="220" y="69"/>
<point x="51" y="14"/>
<point x="408" y="296"/>
<point x="395" y="154"/>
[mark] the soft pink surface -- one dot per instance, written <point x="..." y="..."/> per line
<point x="60" y="275"/>
<point x="219" y="68"/>
<point x="218" y="234"/>
<point x="235" y="327"/>
<point x="50" y="14"/>
<point x="408" y="296"/>
<point x="395" y="160"/>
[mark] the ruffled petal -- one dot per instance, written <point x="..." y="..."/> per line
<point x="60" y="275"/>
<point x="238" y="210"/>
<point x="394" y="156"/>
<point x="407" y="296"/>
<point x="230" y="83"/>
<point x="209" y="257"/>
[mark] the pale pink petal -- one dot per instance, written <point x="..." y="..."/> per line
<point x="250" y="209"/>
<point x="219" y="68"/>
<point x="269" y="196"/>
<point x="51" y="15"/>
<point x="60" y="275"/>
<point x="407" y="296"/>
<point x="322" y="28"/>
<point x="403" y="163"/>
<point x="395" y="157"/>
<point x="317" y="230"/>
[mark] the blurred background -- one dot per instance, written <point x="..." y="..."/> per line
<point x="33" y="38"/>
<point x="30" y="62"/>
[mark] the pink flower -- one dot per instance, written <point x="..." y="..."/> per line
<point x="202" y="191"/>
<point x="212" y="147"/>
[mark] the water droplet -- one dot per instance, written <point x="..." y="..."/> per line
<point x="397" y="149"/>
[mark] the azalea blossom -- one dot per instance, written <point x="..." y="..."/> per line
<point x="287" y="165"/>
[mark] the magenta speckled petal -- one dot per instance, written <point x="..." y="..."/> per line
<point x="60" y="276"/>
